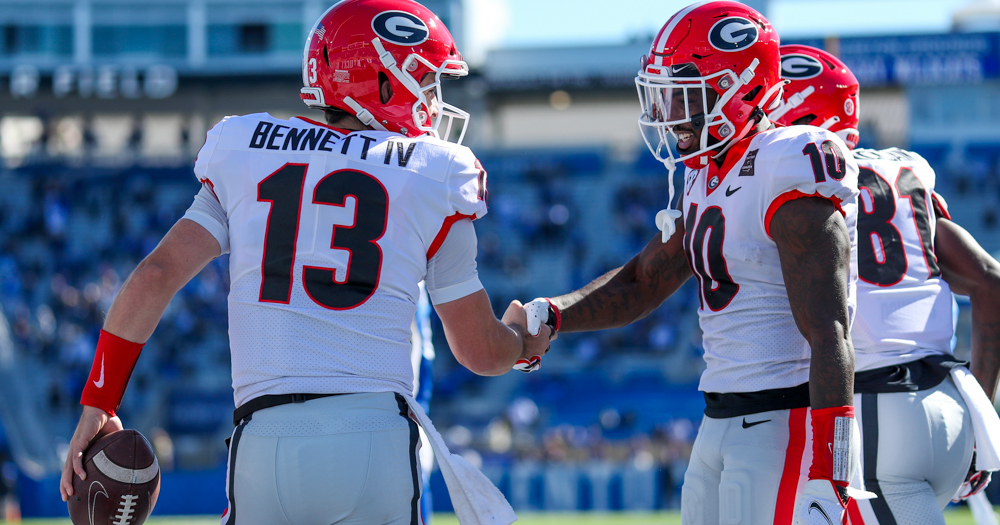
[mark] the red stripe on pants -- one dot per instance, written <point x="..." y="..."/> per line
<point x="854" y="513"/>
<point x="784" y="508"/>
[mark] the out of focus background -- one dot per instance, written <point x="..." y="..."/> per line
<point x="105" y="103"/>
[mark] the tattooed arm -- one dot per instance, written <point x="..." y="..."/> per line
<point x="969" y="270"/>
<point x="815" y="252"/>
<point x="631" y="292"/>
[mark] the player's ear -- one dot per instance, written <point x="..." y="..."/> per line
<point x="384" y="87"/>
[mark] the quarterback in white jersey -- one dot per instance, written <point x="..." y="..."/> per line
<point x="766" y="225"/>
<point x="330" y="227"/>
<point x="915" y="418"/>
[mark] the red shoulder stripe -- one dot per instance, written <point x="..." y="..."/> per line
<point x="790" y="196"/>
<point x="443" y="232"/>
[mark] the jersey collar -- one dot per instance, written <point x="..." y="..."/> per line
<point x="313" y="122"/>
<point x="718" y="174"/>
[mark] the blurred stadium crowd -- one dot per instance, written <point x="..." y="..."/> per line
<point x="608" y="423"/>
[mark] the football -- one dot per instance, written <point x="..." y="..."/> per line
<point x="123" y="481"/>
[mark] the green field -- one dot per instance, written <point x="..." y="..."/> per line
<point x="954" y="517"/>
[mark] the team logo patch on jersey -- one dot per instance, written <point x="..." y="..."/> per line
<point x="400" y="27"/>
<point x="747" y="169"/>
<point x="713" y="182"/>
<point x="849" y="107"/>
<point x="800" y="67"/>
<point x="733" y="34"/>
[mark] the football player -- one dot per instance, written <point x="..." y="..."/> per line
<point x="767" y="229"/>
<point x="916" y="427"/>
<point x="331" y="226"/>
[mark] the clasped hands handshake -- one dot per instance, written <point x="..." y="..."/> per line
<point x="537" y="319"/>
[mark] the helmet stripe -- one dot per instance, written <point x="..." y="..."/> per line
<point x="665" y="33"/>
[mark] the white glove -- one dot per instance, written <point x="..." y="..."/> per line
<point x="820" y="504"/>
<point x="528" y="365"/>
<point x="666" y="222"/>
<point x="538" y="313"/>
<point x="975" y="482"/>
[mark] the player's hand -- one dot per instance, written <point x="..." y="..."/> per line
<point x="539" y="311"/>
<point x="975" y="482"/>
<point x="535" y="346"/>
<point x="94" y="423"/>
<point x="820" y="504"/>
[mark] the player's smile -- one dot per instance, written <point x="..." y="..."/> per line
<point x="687" y="139"/>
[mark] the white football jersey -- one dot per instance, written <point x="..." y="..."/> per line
<point x="330" y="232"/>
<point x="904" y="307"/>
<point x="750" y="337"/>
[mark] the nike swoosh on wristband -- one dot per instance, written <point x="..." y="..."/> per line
<point x="730" y="190"/>
<point x="755" y="423"/>
<point x="816" y="506"/>
<point x="100" y="382"/>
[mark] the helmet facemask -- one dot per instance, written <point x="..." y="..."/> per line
<point x="430" y="111"/>
<point x="428" y="97"/>
<point x="670" y="102"/>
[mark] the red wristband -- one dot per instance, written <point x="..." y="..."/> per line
<point x="555" y="310"/>
<point x="114" y="361"/>
<point x="832" y="428"/>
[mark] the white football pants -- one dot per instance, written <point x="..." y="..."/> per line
<point x="916" y="452"/>
<point x="747" y="470"/>
<point x="346" y="459"/>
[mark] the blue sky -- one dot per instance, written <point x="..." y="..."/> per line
<point x="506" y="23"/>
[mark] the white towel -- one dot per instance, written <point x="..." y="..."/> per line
<point x="985" y="422"/>
<point x="476" y="499"/>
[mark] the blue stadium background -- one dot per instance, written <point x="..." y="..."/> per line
<point x="106" y="104"/>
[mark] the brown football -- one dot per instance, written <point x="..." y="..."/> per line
<point x="123" y="481"/>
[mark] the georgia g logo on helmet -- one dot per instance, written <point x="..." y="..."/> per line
<point x="733" y="34"/>
<point x="800" y="67"/>
<point x="400" y="27"/>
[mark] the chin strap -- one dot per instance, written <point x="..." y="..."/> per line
<point x="756" y="117"/>
<point x="793" y="101"/>
<point x="363" y="114"/>
<point x="666" y="220"/>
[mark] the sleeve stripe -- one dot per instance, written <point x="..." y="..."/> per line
<point x="940" y="206"/>
<point x="790" y="196"/>
<point x="443" y="232"/>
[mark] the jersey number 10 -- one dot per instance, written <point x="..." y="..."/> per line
<point x="284" y="189"/>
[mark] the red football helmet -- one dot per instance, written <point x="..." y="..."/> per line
<point x="357" y="42"/>
<point x="714" y="66"/>
<point x="822" y="92"/>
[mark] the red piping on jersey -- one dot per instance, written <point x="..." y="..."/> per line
<point x="791" y="474"/>
<point x="940" y="206"/>
<point x="313" y="122"/>
<point x="734" y="155"/>
<point x="443" y="232"/>
<point x="212" y="187"/>
<point x="790" y="196"/>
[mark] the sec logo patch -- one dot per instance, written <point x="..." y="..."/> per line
<point x="849" y="107"/>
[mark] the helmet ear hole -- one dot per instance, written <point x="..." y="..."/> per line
<point x="326" y="56"/>
<point x="804" y="121"/>
<point x="752" y="94"/>
<point x="384" y="87"/>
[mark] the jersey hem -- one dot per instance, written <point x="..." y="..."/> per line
<point x="736" y="404"/>
<point x="455" y="291"/>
